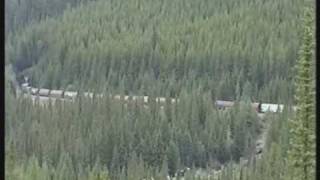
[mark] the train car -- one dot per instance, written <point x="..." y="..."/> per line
<point x="70" y="94"/>
<point x="161" y="100"/>
<point x="56" y="93"/>
<point x="117" y="97"/>
<point x="25" y="88"/>
<point x="126" y="98"/>
<point x="224" y="104"/>
<point x="88" y="94"/>
<point x="99" y="95"/>
<point x="44" y="92"/>
<point x="173" y="100"/>
<point x="142" y="99"/>
<point x="145" y="99"/>
<point x="271" y="108"/>
<point x="24" y="85"/>
<point x="281" y="107"/>
<point x="257" y="107"/>
<point x="28" y="89"/>
<point x="135" y="98"/>
<point x="34" y="91"/>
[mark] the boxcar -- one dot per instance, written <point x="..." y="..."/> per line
<point x="145" y="99"/>
<point x="56" y="93"/>
<point x="161" y="100"/>
<point x="34" y="91"/>
<point x="271" y="108"/>
<point x="25" y="88"/>
<point x="117" y="97"/>
<point x="70" y="94"/>
<point x="257" y="107"/>
<point x="173" y="100"/>
<point x="88" y="94"/>
<point x="224" y="104"/>
<point x="44" y="92"/>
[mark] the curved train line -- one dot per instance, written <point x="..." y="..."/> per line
<point x="71" y="95"/>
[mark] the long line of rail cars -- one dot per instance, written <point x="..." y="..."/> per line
<point x="73" y="94"/>
<point x="259" y="107"/>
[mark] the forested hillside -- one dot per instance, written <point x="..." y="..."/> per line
<point x="88" y="130"/>
<point x="21" y="13"/>
<point x="194" y="50"/>
<point x="227" y="48"/>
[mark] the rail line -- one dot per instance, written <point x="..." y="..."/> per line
<point x="45" y="94"/>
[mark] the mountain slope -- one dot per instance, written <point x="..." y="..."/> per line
<point x="165" y="46"/>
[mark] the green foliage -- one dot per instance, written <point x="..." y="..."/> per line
<point x="136" y="169"/>
<point x="21" y="13"/>
<point x="173" y="159"/>
<point x="194" y="50"/>
<point x="80" y="132"/>
<point x="165" y="45"/>
<point x="302" y="139"/>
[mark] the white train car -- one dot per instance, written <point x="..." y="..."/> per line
<point x="70" y="94"/>
<point x="173" y="100"/>
<point x="126" y="98"/>
<point x="56" y="93"/>
<point x="34" y="91"/>
<point x="223" y="104"/>
<point x="139" y="99"/>
<point x="99" y="95"/>
<point x="145" y="99"/>
<point x="88" y="94"/>
<point x="44" y="92"/>
<point x="117" y="97"/>
<point x="161" y="100"/>
<point x="26" y="88"/>
<point x="271" y="108"/>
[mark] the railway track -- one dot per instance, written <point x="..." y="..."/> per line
<point x="45" y="94"/>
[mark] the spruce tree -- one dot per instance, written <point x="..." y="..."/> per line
<point x="302" y="137"/>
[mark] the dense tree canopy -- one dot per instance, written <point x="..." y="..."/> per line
<point x="21" y="13"/>
<point x="166" y="45"/>
<point x="194" y="50"/>
<point x="111" y="131"/>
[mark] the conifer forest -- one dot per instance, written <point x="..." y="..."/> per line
<point x="159" y="90"/>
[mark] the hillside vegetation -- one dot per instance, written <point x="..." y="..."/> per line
<point x="22" y="13"/>
<point x="194" y="50"/>
<point x="160" y="47"/>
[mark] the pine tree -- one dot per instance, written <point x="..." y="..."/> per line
<point x="302" y="140"/>
<point x="164" y="168"/>
<point x="135" y="169"/>
<point x="173" y="158"/>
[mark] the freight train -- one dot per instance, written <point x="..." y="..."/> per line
<point x="73" y="94"/>
<point x="259" y="107"/>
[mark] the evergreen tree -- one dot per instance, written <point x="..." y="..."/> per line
<point x="135" y="168"/>
<point x="173" y="159"/>
<point x="186" y="54"/>
<point x="302" y="139"/>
